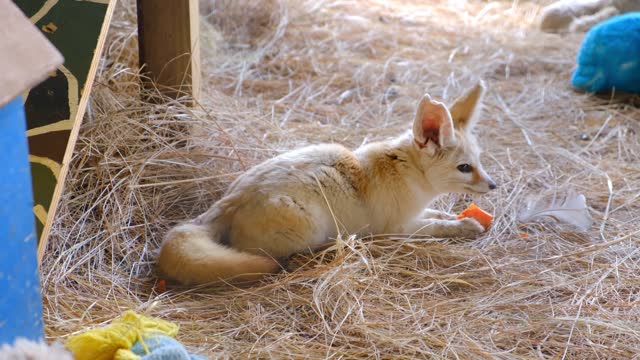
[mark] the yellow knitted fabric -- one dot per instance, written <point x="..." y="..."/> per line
<point x="112" y="342"/>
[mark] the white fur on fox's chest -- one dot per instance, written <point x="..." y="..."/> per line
<point x="392" y="208"/>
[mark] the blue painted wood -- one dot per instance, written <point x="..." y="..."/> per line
<point x="20" y="301"/>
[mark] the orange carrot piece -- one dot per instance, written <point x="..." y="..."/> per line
<point x="473" y="211"/>
<point x="161" y="286"/>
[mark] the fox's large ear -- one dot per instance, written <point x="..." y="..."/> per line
<point x="465" y="109"/>
<point x="433" y="127"/>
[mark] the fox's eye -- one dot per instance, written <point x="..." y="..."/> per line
<point x="465" y="168"/>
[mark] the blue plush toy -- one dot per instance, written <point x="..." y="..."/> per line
<point x="162" y="347"/>
<point x="610" y="56"/>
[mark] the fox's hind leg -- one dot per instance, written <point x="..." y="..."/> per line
<point x="277" y="226"/>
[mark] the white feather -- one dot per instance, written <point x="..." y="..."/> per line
<point x="571" y="209"/>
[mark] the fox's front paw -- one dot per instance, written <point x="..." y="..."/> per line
<point x="468" y="228"/>
<point x="436" y="214"/>
<point x="463" y="228"/>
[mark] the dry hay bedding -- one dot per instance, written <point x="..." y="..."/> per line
<point x="286" y="74"/>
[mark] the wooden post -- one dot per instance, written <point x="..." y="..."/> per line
<point x="169" y="45"/>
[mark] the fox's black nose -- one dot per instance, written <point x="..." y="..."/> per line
<point x="492" y="185"/>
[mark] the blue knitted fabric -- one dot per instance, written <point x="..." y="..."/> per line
<point x="163" y="347"/>
<point x="610" y="56"/>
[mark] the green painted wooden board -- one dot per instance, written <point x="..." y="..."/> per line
<point x="54" y="109"/>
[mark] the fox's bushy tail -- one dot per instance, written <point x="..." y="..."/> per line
<point x="191" y="255"/>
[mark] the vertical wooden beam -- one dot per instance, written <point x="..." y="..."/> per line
<point x="168" y="36"/>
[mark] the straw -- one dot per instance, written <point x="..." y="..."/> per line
<point x="285" y="74"/>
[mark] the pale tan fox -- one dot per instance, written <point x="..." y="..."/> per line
<point x="303" y="198"/>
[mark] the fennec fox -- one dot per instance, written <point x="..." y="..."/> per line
<point x="301" y="199"/>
